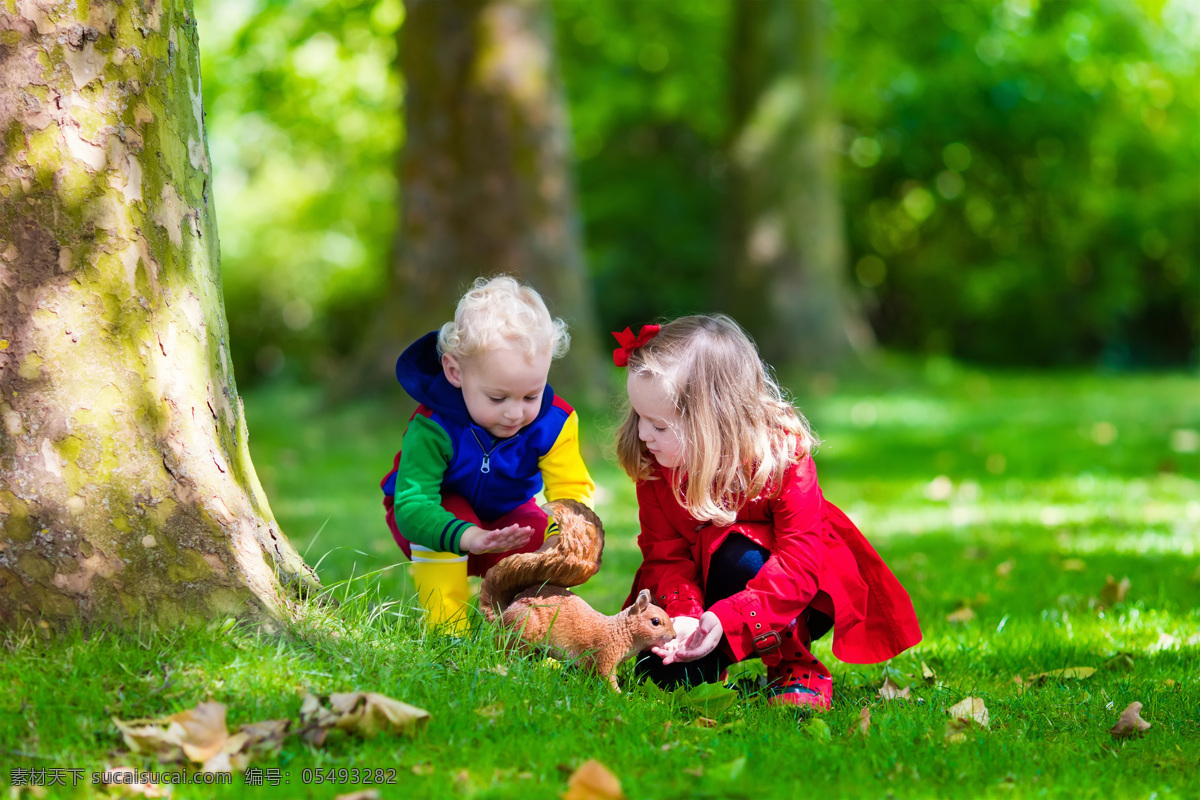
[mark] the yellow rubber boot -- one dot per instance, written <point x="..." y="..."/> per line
<point x="441" y="581"/>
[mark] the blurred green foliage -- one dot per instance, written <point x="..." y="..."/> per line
<point x="304" y="119"/>
<point x="1021" y="179"/>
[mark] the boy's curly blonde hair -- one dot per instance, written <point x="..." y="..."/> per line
<point x="501" y="309"/>
<point x="739" y="434"/>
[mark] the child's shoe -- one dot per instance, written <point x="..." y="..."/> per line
<point x="799" y="679"/>
<point x="797" y="694"/>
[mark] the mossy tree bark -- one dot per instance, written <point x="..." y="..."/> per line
<point x="485" y="176"/>
<point x="788" y="281"/>
<point x="126" y="487"/>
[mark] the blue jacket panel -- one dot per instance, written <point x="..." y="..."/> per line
<point x="494" y="475"/>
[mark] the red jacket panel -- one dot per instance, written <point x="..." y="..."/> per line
<point x="818" y="559"/>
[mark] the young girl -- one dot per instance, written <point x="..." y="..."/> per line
<point x="738" y="543"/>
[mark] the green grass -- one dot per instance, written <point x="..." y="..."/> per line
<point x="1058" y="479"/>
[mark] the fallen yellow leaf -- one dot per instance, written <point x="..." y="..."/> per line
<point x="593" y="781"/>
<point x="890" y="691"/>
<point x="968" y="712"/>
<point x="927" y="674"/>
<point x="1073" y="565"/>
<point x="970" y="708"/>
<point x="1005" y="568"/>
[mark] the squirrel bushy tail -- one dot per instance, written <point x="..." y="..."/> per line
<point x="575" y="559"/>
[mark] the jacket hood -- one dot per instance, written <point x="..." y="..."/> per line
<point x="419" y="370"/>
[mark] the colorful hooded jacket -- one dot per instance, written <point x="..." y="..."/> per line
<point x="445" y="452"/>
<point x="819" y="559"/>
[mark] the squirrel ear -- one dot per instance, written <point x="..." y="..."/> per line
<point x="642" y="602"/>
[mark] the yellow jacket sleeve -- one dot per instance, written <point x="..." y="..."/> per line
<point x="563" y="472"/>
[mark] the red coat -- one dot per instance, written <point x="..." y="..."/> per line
<point x="818" y="558"/>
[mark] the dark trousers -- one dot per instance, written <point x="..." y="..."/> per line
<point x="736" y="561"/>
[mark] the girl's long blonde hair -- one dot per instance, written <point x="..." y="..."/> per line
<point x="739" y="434"/>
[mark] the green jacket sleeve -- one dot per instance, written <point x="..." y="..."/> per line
<point x="424" y="457"/>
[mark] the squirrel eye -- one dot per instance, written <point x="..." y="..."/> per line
<point x="655" y="622"/>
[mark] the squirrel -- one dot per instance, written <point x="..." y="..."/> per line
<point x="528" y="593"/>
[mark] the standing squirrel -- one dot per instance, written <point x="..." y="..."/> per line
<point x="528" y="593"/>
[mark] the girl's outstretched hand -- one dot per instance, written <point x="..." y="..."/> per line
<point x="683" y="629"/>
<point x="702" y="640"/>
<point x="477" y="540"/>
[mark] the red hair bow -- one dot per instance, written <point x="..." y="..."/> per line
<point x="629" y="343"/>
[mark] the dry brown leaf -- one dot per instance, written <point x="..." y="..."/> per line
<point x="1068" y="674"/>
<point x="369" y="714"/>
<point x="1121" y="662"/>
<point x="695" y="772"/>
<point x="365" y="794"/>
<point x="593" y="781"/>
<point x="971" y="708"/>
<point x="129" y="783"/>
<point x="204" y="729"/>
<point x="964" y="715"/>
<point x="144" y="737"/>
<point x="265" y="736"/>
<point x="313" y="713"/>
<point x="1073" y="565"/>
<point x="705" y="722"/>
<point x="890" y="691"/>
<point x="1131" y="723"/>
<point x="927" y="674"/>
<point x="500" y="670"/>
<point x="964" y="614"/>
<point x="197" y="734"/>
<point x="1114" y="592"/>
<point x="1005" y="568"/>
<point x="424" y="768"/>
<point x="864" y="720"/>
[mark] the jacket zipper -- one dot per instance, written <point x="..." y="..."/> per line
<point x="485" y="466"/>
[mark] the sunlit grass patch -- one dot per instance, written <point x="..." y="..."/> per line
<point x="1014" y="573"/>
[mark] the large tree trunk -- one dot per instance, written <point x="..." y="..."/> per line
<point x="788" y="283"/>
<point x="126" y="488"/>
<point x="484" y="174"/>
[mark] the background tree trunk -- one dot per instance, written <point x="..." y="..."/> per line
<point x="126" y="487"/>
<point x="787" y="285"/>
<point x="485" y="180"/>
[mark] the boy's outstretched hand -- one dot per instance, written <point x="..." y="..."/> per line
<point x="477" y="540"/>
<point x="693" y="638"/>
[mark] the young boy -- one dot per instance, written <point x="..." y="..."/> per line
<point x="489" y="434"/>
